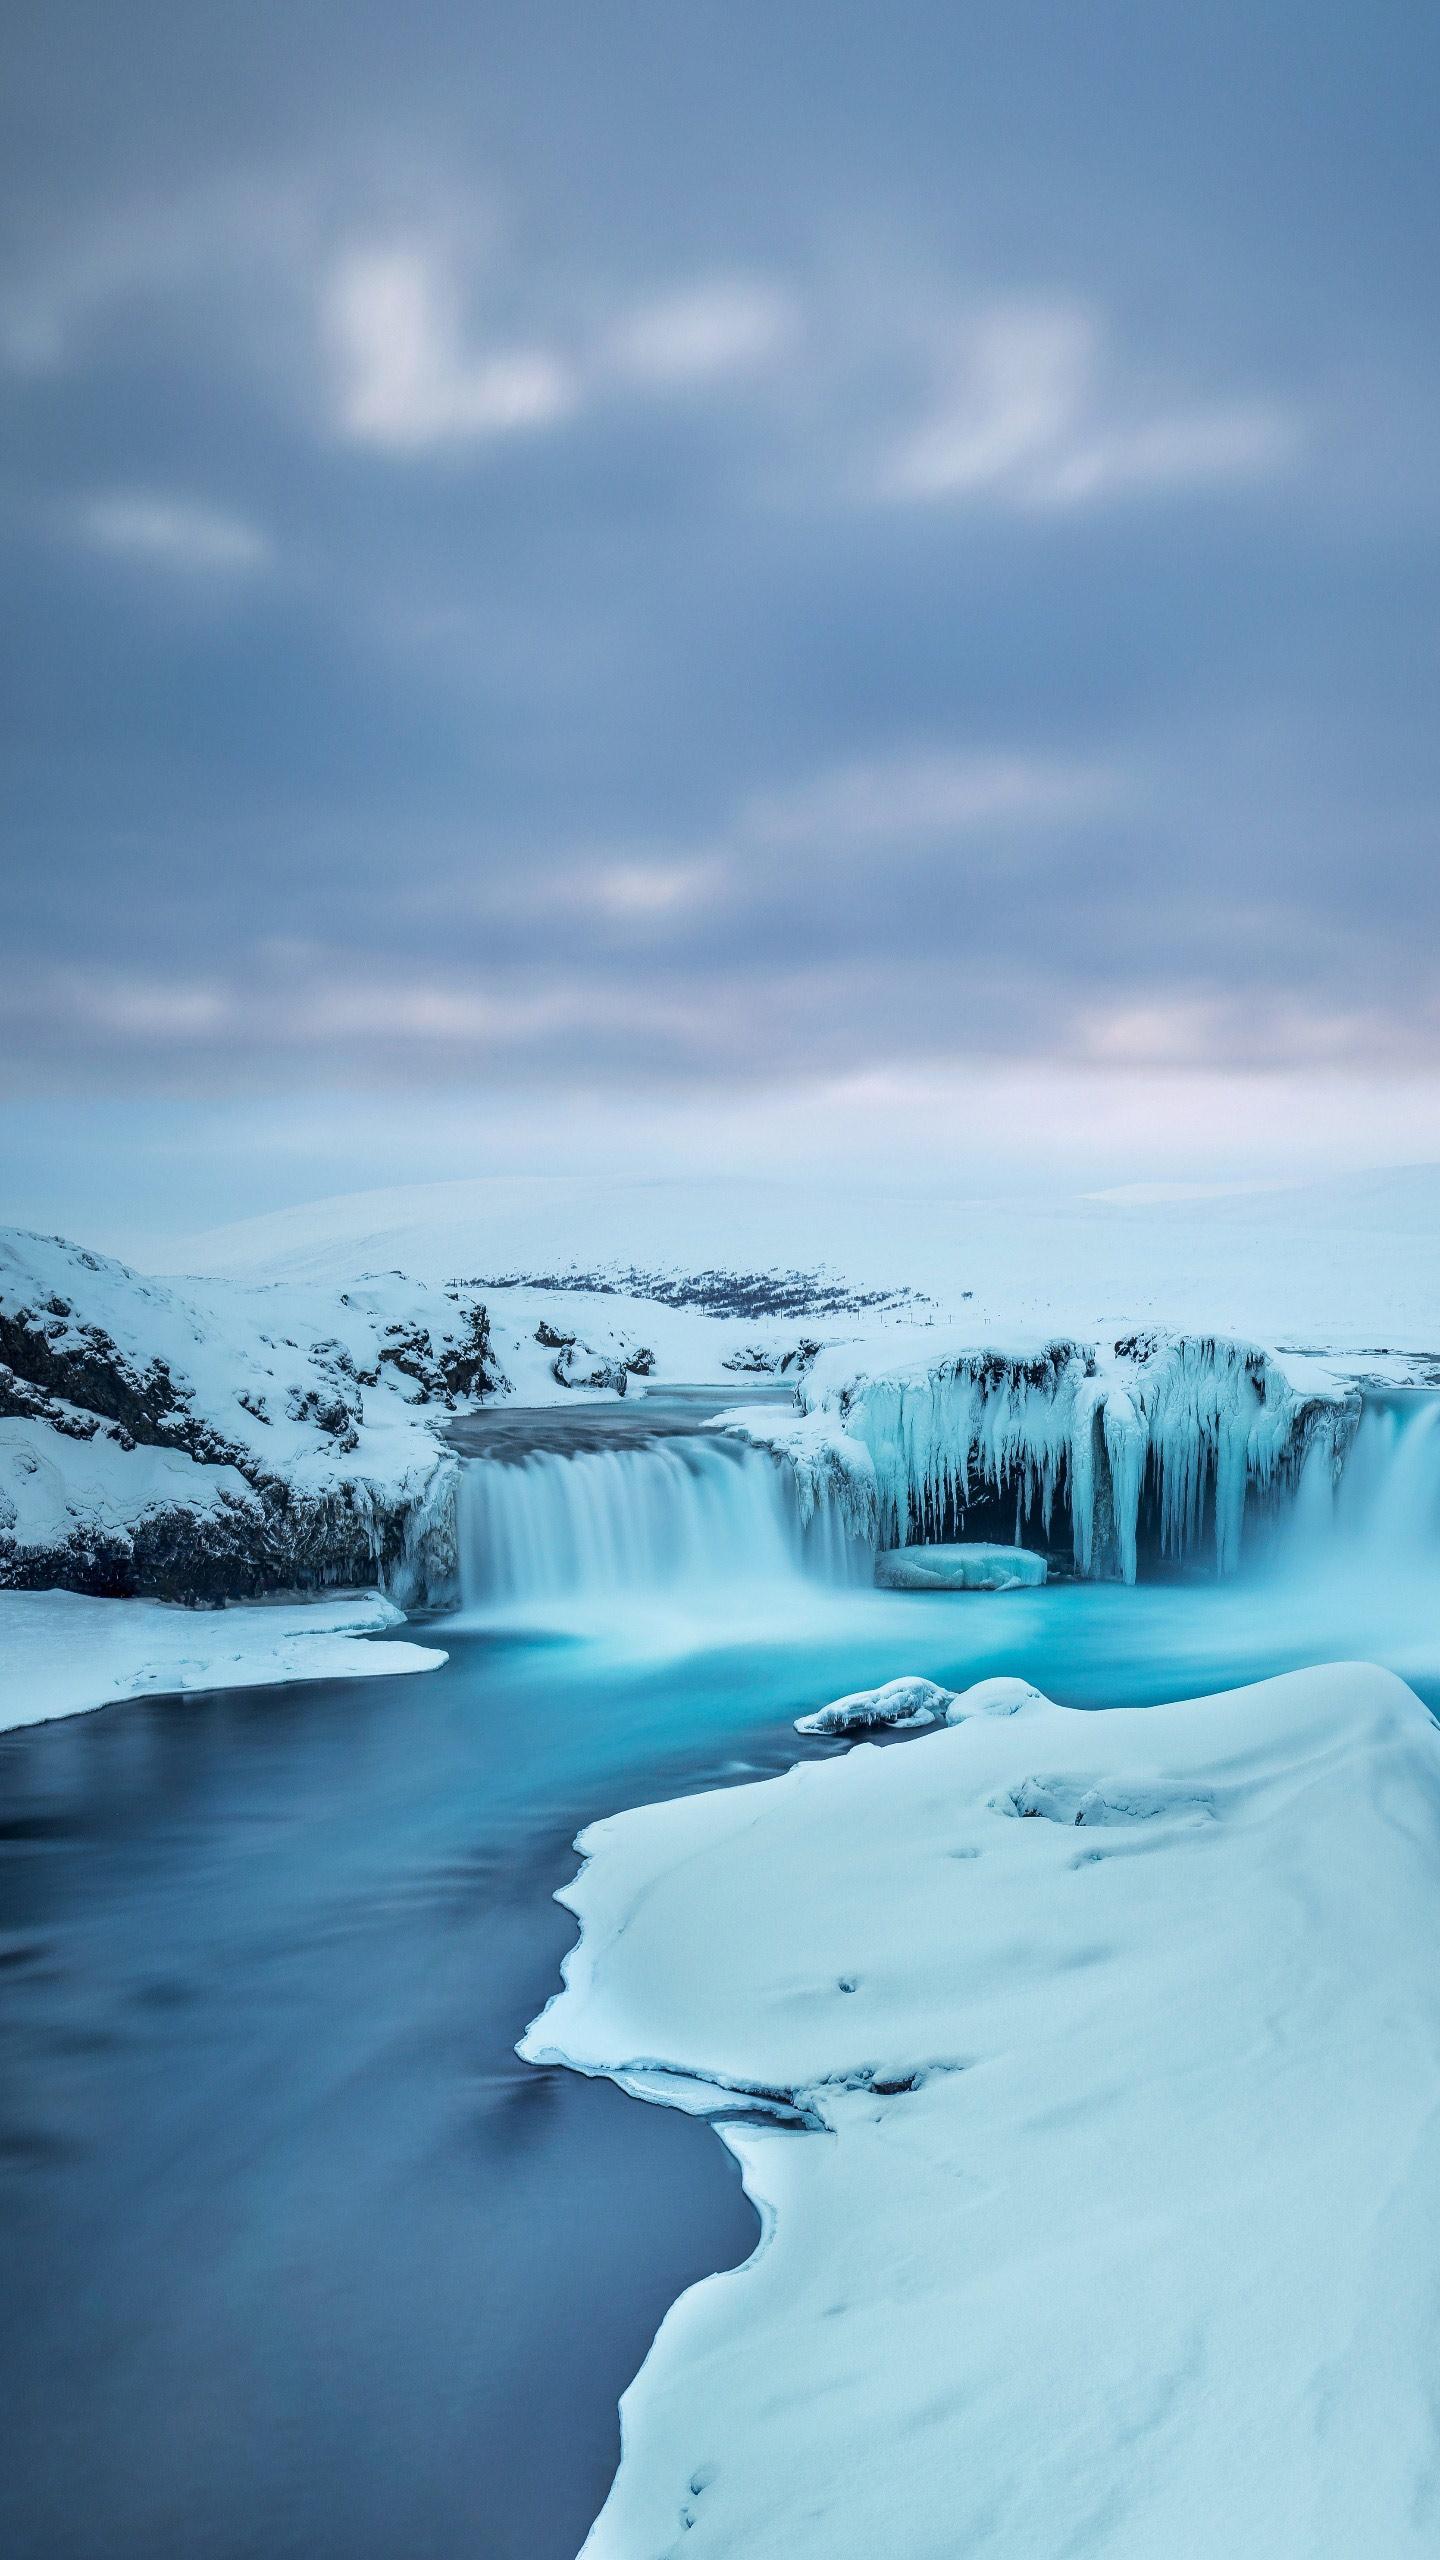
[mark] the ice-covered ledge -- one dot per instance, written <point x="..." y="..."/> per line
<point x="1120" y="2231"/>
<point x="1160" y="1432"/>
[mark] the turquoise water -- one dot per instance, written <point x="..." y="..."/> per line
<point x="298" y="2258"/>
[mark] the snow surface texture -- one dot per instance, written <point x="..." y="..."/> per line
<point x="975" y="1567"/>
<point x="1084" y="2069"/>
<point x="61" y="1652"/>
<point x="1180" y="1428"/>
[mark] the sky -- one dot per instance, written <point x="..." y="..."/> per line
<point x="788" y="588"/>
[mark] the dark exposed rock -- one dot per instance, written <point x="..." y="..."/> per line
<point x="721" y="1293"/>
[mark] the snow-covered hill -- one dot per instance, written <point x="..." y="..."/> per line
<point x="1350" y="1265"/>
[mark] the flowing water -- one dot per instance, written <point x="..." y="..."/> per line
<point x="297" y="2258"/>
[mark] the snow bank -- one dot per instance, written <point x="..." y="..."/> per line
<point x="1165" y="1434"/>
<point x="1085" y="2070"/>
<point x="61" y="1652"/>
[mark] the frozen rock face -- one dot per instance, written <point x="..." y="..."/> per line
<point x="206" y="1442"/>
<point x="1154" y="1440"/>
<point x="959" y="1568"/>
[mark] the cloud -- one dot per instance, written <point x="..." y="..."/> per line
<point x="173" y="533"/>
<point x="645" y="892"/>
<point x="928" y="794"/>
<point x="1037" y="412"/>
<point x="406" y="379"/>
<point x="730" y="325"/>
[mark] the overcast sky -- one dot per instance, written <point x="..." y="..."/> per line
<point x="673" y="584"/>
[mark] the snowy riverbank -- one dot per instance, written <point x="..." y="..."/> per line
<point x="1114" y="2222"/>
<point x="62" y="1652"/>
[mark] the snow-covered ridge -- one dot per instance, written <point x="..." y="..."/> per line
<point x="1159" y="1439"/>
<point x="1084" y="2068"/>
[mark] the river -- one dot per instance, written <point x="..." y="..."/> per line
<point x="297" y="2257"/>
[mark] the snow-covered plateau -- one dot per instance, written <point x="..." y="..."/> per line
<point x="1085" y="2070"/>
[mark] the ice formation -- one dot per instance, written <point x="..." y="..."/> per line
<point x="1170" y="1434"/>
<point x="976" y="1566"/>
<point x="1084" y="2068"/>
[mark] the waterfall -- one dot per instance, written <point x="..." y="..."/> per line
<point x="703" y="1522"/>
<point x="1384" y="1510"/>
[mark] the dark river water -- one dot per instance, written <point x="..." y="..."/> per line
<point x="297" y="2258"/>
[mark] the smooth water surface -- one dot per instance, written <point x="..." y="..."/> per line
<point x="297" y="2258"/>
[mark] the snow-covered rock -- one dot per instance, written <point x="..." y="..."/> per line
<point x="898" y="1704"/>
<point x="209" y="1441"/>
<point x="1084" y="2068"/>
<point x="62" y="1652"/>
<point x="959" y="1568"/>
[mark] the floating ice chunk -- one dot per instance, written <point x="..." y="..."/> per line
<point x="959" y="1568"/>
<point x="908" y="1701"/>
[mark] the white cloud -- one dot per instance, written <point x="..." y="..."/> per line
<point x="928" y="794"/>
<point x="1037" y="413"/>
<point x="641" y="892"/>
<point x="730" y="325"/>
<point x="407" y="379"/>
<point x="155" y="1009"/>
<point x="173" y="533"/>
<point x="1184" y="451"/>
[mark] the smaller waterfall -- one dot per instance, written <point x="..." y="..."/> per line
<point x="1384" y="1511"/>
<point x="690" y="1523"/>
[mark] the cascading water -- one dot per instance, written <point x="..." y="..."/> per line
<point x="1384" y="1510"/>
<point x="700" y="1523"/>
